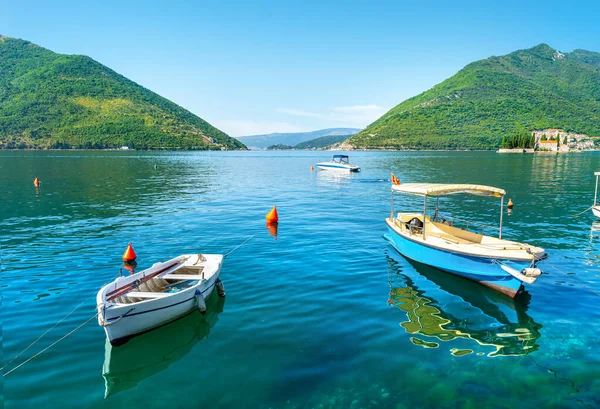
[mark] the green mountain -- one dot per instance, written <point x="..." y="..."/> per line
<point x="322" y="142"/>
<point x="292" y="139"/>
<point x="538" y="88"/>
<point x="50" y="100"/>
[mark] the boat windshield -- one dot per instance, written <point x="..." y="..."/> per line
<point x="340" y="158"/>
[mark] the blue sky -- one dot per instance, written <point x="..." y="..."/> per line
<point x="263" y="66"/>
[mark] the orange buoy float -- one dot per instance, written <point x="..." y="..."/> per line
<point x="312" y="168"/>
<point x="510" y="204"/>
<point x="129" y="254"/>
<point x="36" y="182"/>
<point x="272" y="216"/>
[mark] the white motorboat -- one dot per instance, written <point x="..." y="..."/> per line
<point x="140" y="302"/>
<point x="339" y="162"/>
<point x="596" y="206"/>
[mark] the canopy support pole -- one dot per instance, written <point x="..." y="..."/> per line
<point x="392" y="209"/>
<point x="424" y="211"/>
<point x="501" y="213"/>
<point x="596" y="191"/>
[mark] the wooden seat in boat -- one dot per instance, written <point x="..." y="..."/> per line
<point x="183" y="277"/>
<point x="142" y="294"/>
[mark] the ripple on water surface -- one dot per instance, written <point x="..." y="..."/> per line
<point x="324" y="314"/>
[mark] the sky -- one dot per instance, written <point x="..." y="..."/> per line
<point x="259" y="67"/>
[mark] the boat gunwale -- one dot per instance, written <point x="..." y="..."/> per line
<point x="397" y="230"/>
<point x="108" y="301"/>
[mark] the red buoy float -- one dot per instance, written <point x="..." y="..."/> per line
<point x="129" y="254"/>
<point x="272" y="216"/>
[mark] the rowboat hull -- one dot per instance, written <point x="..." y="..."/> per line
<point x="596" y="211"/>
<point x="483" y="270"/>
<point x="124" y="321"/>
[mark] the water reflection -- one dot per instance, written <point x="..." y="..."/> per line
<point x="441" y="307"/>
<point x="334" y="176"/>
<point x="146" y="355"/>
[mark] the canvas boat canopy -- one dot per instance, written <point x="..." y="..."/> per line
<point x="440" y="189"/>
<point x="341" y="158"/>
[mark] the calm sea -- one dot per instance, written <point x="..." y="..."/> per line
<point x="323" y="315"/>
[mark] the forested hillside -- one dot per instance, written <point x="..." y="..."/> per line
<point x="497" y="97"/>
<point x="49" y="100"/>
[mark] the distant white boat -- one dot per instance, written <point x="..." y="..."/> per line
<point x="140" y="302"/>
<point x="339" y="162"/>
<point x="596" y="206"/>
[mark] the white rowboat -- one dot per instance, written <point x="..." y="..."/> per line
<point x="140" y="302"/>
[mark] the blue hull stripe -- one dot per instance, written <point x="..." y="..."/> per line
<point x="474" y="268"/>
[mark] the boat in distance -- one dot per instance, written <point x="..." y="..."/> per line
<point x="138" y="303"/>
<point x="502" y="265"/>
<point x="339" y="162"/>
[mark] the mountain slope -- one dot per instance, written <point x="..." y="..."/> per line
<point x="529" y="89"/>
<point x="322" y="142"/>
<point x="61" y="101"/>
<point x="292" y="139"/>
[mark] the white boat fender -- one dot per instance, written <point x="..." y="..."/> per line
<point x="200" y="303"/>
<point x="532" y="272"/>
<point x="220" y="288"/>
<point x="518" y="275"/>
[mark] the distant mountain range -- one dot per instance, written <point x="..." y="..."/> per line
<point x="292" y="139"/>
<point x="538" y="88"/>
<point x="50" y="100"/>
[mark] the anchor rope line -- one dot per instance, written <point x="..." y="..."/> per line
<point x="51" y="345"/>
<point x="239" y="245"/>
<point x="47" y="331"/>
<point x="566" y="275"/>
<point x="575" y="215"/>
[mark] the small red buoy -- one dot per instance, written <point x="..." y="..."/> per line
<point x="36" y="182"/>
<point x="272" y="215"/>
<point x="129" y="254"/>
<point x="510" y="204"/>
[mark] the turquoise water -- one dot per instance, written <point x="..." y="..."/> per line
<point x="323" y="315"/>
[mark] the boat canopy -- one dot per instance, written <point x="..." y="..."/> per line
<point x="440" y="189"/>
<point x="341" y="158"/>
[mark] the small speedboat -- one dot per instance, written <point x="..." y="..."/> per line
<point x="596" y="206"/>
<point x="137" y="303"/>
<point x="339" y="162"/>
<point x="437" y="241"/>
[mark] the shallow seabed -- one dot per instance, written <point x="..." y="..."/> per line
<point x="325" y="314"/>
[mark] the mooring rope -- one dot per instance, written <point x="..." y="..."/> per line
<point x="47" y="331"/>
<point x="575" y="215"/>
<point x="570" y="276"/>
<point x="50" y="346"/>
<point x="239" y="245"/>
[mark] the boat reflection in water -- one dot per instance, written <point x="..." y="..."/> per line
<point x="148" y="354"/>
<point x="442" y="307"/>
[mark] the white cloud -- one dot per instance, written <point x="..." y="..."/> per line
<point x="356" y="115"/>
<point x="236" y="127"/>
